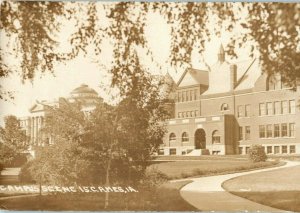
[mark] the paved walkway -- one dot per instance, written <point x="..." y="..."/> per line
<point x="207" y="194"/>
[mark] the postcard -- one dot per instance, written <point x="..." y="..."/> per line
<point x="150" y="106"/>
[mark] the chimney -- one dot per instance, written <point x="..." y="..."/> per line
<point x="221" y="54"/>
<point x="233" y="76"/>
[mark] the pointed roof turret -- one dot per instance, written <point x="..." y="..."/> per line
<point x="221" y="54"/>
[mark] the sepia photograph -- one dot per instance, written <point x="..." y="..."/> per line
<point x="149" y="106"/>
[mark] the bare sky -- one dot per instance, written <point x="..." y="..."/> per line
<point x="85" y="70"/>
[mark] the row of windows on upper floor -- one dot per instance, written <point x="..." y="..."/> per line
<point x="193" y="94"/>
<point x="269" y="131"/>
<point x="269" y="108"/>
<point x="188" y="95"/>
<point x="277" y="107"/>
<point x="277" y="130"/>
<point x="188" y="114"/>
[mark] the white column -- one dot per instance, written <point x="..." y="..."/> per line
<point x="32" y="130"/>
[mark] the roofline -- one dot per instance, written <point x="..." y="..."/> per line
<point x="186" y="70"/>
<point x="240" y="80"/>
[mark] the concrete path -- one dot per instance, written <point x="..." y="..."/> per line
<point x="207" y="194"/>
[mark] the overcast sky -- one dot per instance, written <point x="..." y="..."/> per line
<point x="84" y="70"/>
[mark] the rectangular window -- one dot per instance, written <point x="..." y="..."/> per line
<point x="276" y="131"/>
<point x="292" y="130"/>
<point x="277" y="107"/>
<point x="262" y="109"/>
<point x="247" y="110"/>
<point x="195" y="94"/>
<point x="240" y="133"/>
<point x="276" y="150"/>
<point x="292" y="107"/>
<point x="240" y="150"/>
<point x="183" y="97"/>
<point x="284" y="130"/>
<point x="191" y="113"/>
<point x="269" y="108"/>
<point x="216" y="139"/>
<point x="262" y="131"/>
<point x="292" y="149"/>
<point x="284" y="106"/>
<point x="247" y="133"/>
<point x="172" y="151"/>
<point x="187" y="114"/>
<point x="269" y="149"/>
<point x="179" y="97"/>
<point x="240" y="111"/>
<point x="269" y="131"/>
<point x="284" y="149"/>
<point x="196" y="113"/>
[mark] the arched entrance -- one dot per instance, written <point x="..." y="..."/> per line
<point x="200" y="139"/>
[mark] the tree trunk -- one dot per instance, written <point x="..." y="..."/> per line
<point x="106" y="203"/>
<point x="40" y="193"/>
<point x="40" y="186"/>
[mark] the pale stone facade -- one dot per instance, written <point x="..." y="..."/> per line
<point x="33" y="123"/>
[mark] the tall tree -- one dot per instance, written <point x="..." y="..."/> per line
<point x="13" y="140"/>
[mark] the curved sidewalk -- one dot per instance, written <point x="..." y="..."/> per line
<point x="207" y="194"/>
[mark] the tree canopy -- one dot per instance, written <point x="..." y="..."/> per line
<point x="272" y="29"/>
<point x="13" y="140"/>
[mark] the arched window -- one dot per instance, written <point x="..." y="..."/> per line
<point x="216" y="138"/>
<point x="185" y="137"/>
<point x="172" y="137"/>
<point x="224" y="107"/>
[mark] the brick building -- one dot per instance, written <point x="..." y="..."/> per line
<point x="226" y="109"/>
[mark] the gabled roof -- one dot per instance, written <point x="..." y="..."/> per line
<point x="199" y="76"/>
<point x="248" y="73"/>
<point x="36" y="108"/>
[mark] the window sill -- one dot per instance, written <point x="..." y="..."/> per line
<point x="278" y="138"/>
<point x="277" y="115"/>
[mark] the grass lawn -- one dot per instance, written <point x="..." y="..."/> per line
<point x="184" y="169"/>
<point x="279" y="188"/>
<point x="165" y="198"/>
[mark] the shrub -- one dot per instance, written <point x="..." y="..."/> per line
<point x="257" y="153"/>
<point x="25" y="175"/>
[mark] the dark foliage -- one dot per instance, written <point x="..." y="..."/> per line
<point x="257" y="153"/>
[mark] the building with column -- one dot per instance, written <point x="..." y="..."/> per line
<point x="32" y="124"/>
<point x="229" y="107"/>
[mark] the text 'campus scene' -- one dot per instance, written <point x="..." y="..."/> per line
<point x="150" y="106"/>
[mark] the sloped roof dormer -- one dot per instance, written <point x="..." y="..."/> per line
<point x="193" y="77"/>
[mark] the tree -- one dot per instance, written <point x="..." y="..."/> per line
<point x="13" y="140"/>
<point x="271" y="28"/>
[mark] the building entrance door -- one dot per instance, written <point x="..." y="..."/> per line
<point x="200" y="139"/>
